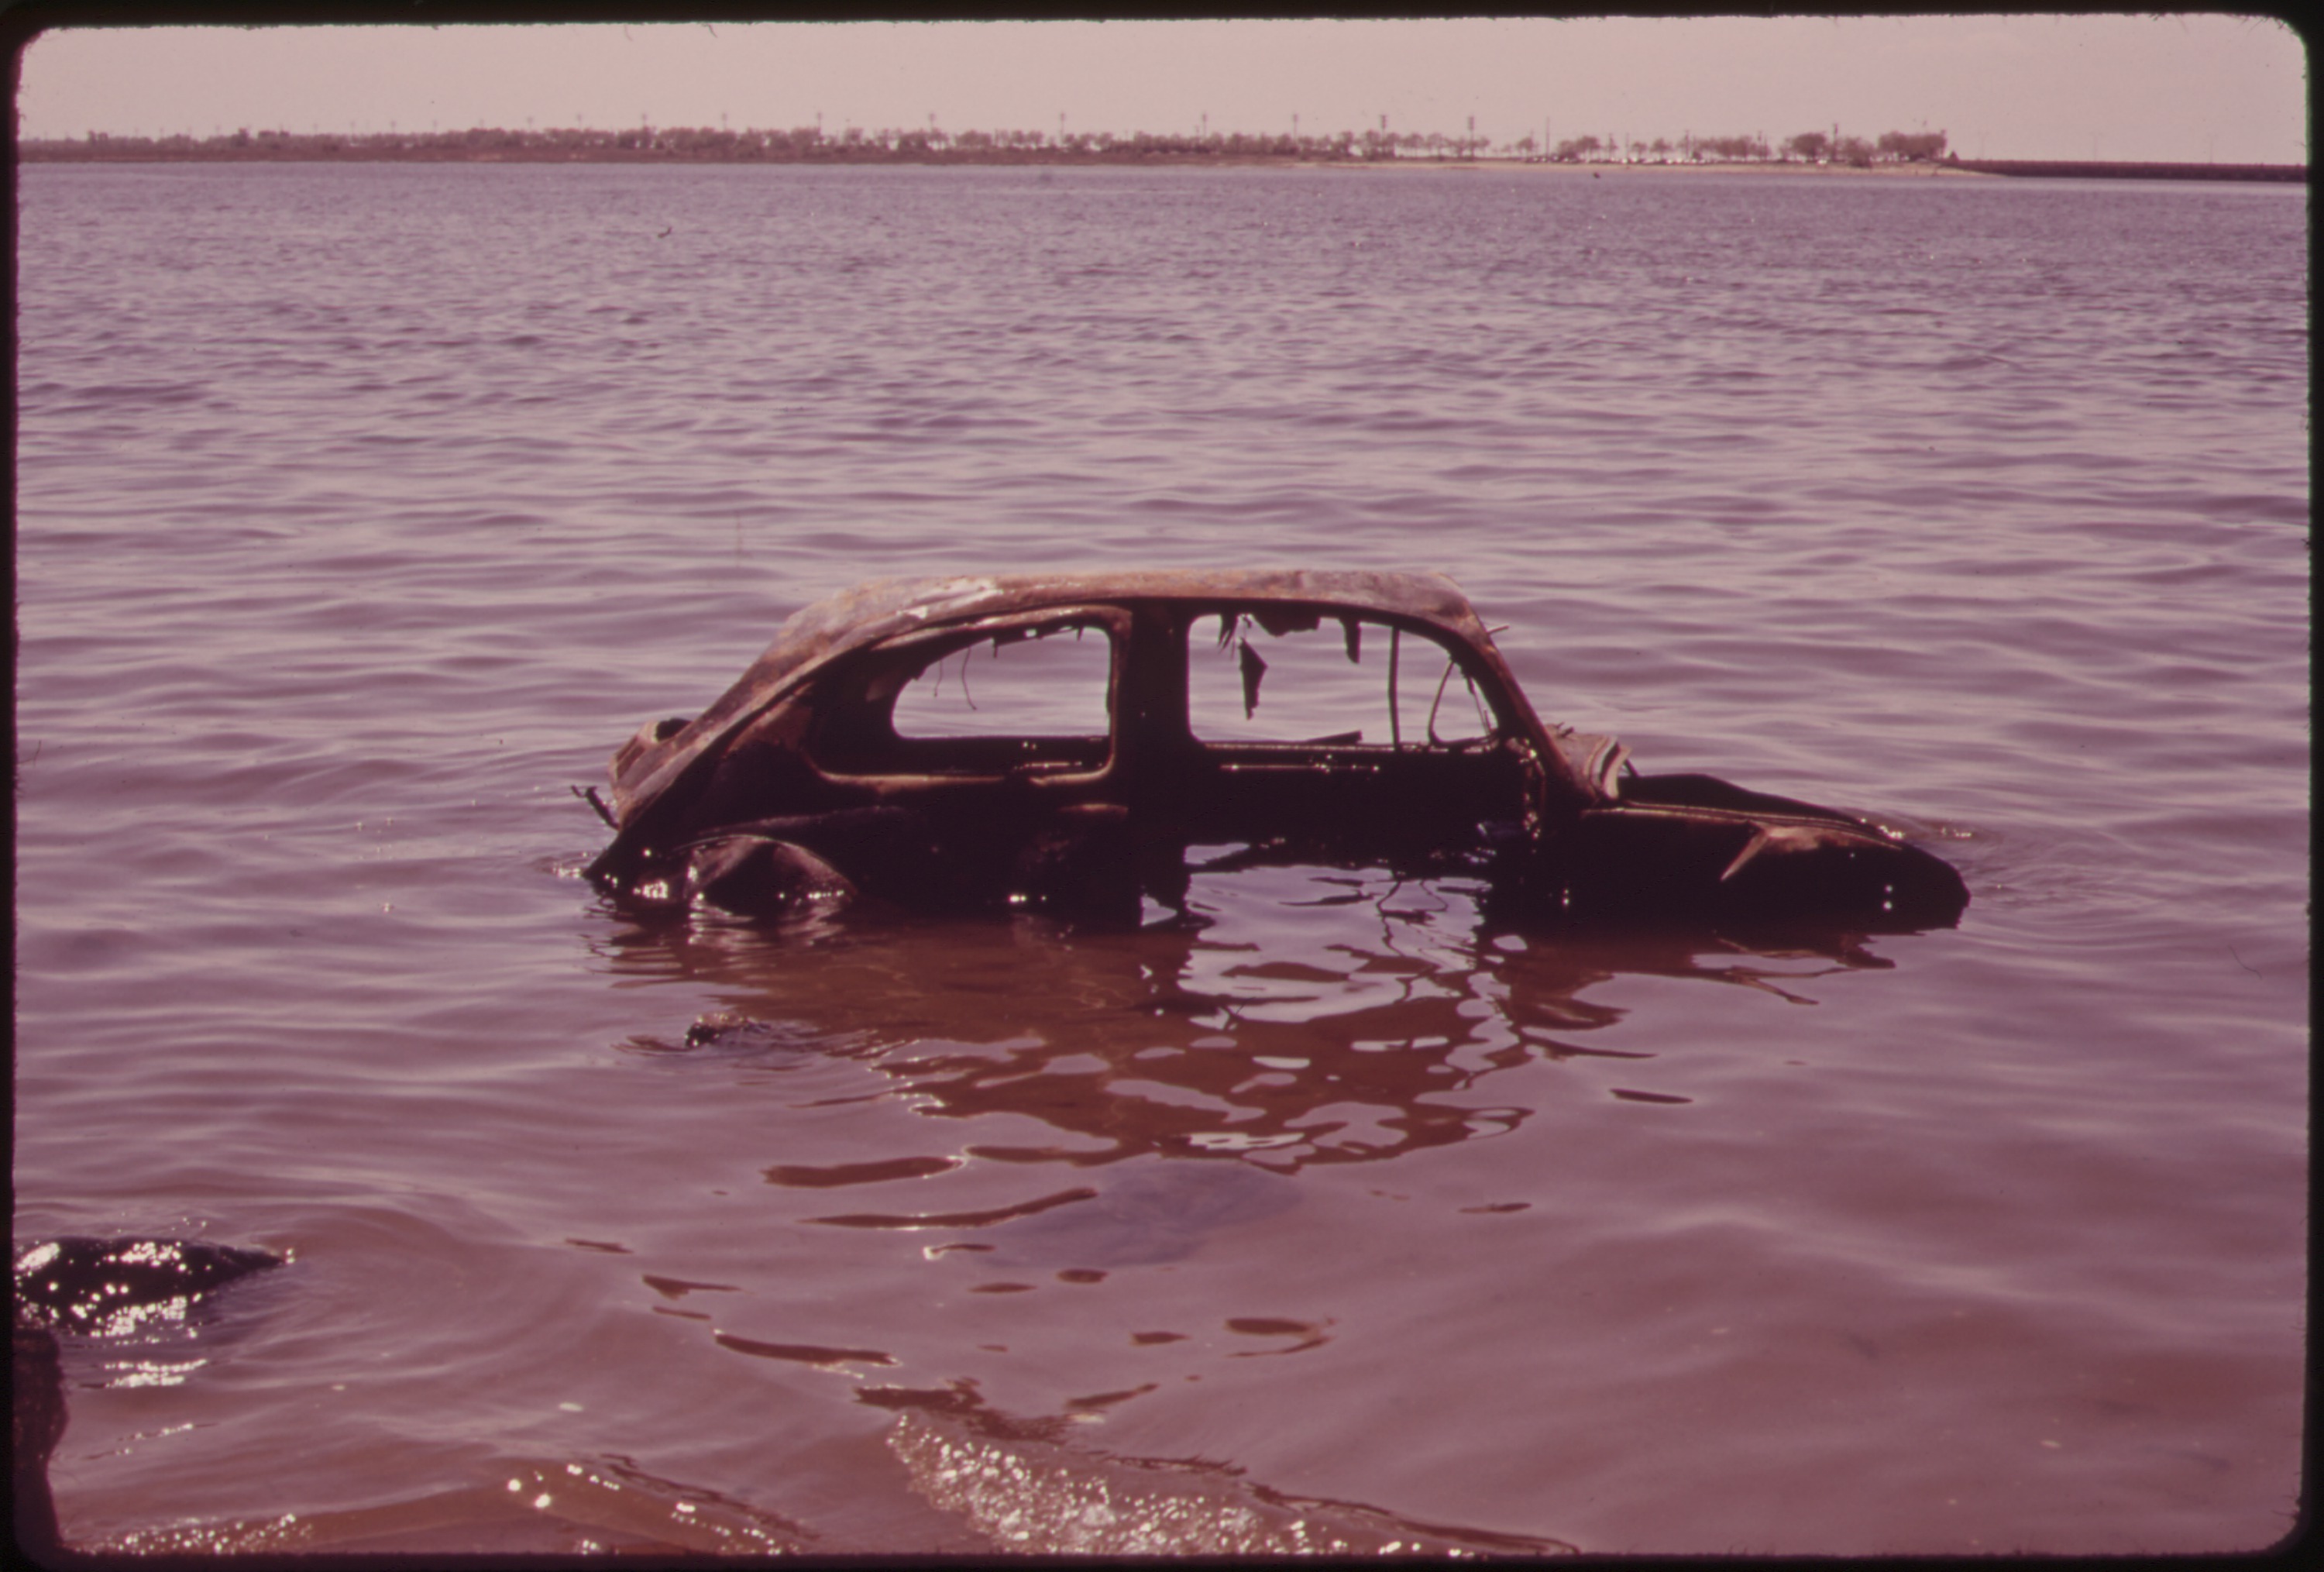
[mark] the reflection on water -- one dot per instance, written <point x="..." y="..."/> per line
<point x="1184" y="1078"/>
<point x="1301" y="1015"/>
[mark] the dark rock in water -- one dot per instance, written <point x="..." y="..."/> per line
<point x="107" y="1287"/>
<point x="37" y="1421"/>
<point x="1158" y="1213"/>
<point x="104" y="1287"/>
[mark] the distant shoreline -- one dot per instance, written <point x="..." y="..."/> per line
<point x="279" y="148"/>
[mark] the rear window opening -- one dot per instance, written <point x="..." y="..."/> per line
<point x="1021" y="682"/>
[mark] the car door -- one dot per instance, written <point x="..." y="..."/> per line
<point x="1359" y="734"/>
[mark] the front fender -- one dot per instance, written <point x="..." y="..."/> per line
<point x="1726" y="869"/>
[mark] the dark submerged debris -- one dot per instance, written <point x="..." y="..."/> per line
<point x="1157" y="1213"/>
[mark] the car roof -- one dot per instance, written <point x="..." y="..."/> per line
<point x="883" y="608"/>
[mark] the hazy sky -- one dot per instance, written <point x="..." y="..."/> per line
<point x="2186" y="88"/>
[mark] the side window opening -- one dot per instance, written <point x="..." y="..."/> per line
<point x="1027" y="681"/>
<point x="1288" y="677"/>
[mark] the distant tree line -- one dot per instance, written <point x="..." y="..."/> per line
<point x="1808" y="146"/>
<point x="810" y="145"/>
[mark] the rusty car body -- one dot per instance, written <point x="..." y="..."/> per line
<point x="1111" y="725"/>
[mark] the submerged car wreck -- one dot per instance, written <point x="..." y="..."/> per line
<point x="1099" y="725"/>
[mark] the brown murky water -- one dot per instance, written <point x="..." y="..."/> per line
<point x="363" y="511"/>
